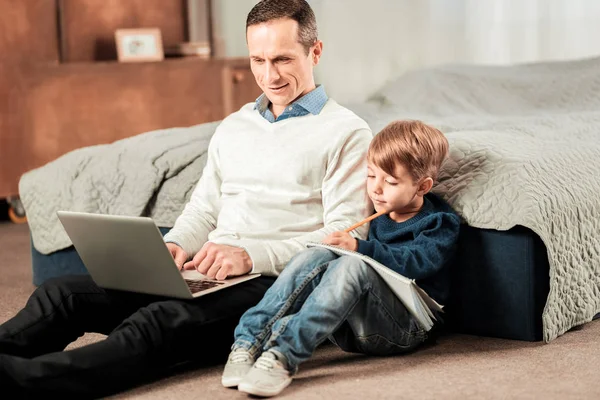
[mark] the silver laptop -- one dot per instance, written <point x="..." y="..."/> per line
<point x="128" y="253"/>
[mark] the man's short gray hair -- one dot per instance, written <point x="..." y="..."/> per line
<point x="298" y="10"/>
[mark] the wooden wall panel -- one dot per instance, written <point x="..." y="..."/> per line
<point x="88" y="26"/>
<point x="48" y="108"/>
<point x="28" y="31"/>
<point x="239" y="86"/>
<point x="78" y="105"/>
<point x="12" y="148"/>
<point x="58" y="108"/>
<point x="27" y="37"/>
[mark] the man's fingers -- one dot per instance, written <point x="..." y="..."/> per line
<point x="223" y="273"/>
<point x="213" y="270"/>
<point x="205" y="263"/>
<point x="189" y="265"/>
<point x="180" y="258"/>
<point x="178" y="254"/>
<point x="198" y="257"/>
<point x="220" y="261"/>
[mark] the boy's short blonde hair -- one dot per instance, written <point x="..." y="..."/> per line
<point x="420" y="148"/>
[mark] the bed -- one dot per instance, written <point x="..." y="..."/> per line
<point x="524" y="151"/>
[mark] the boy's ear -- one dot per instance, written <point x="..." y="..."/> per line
<point x="425" y="186"/>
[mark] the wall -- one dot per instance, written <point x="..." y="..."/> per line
<point x="88" y="26"/>
<point x="229" y="27"/>
<point x="370" y="42"/>
<point x="367" y="43"/>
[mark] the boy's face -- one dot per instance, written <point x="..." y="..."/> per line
<point x="398" y="194"/>
<point x="279" y="62"/>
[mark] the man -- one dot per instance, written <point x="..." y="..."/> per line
<point x="288" y="169"/>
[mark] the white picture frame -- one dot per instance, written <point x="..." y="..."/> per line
<point x="138" y="45"/>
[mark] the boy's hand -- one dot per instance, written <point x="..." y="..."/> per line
<point x="342" y="239"/>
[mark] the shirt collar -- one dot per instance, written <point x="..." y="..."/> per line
<point x="313" y="101"/>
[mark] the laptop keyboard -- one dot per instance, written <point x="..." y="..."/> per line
<point x="201" y="285"/>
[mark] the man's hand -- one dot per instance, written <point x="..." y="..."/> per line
<point x="219" y="261"/>
<point x="178" y="254"/>
<point x="342" y="239"/>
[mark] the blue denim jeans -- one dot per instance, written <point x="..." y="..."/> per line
<point x="320" y="295"/>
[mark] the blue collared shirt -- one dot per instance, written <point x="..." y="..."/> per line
<point x="311" y="103"/>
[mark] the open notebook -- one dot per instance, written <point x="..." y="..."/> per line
<point x="416" y="301"/>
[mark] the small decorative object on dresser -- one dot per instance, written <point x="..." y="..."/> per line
<point x="186" y="49"/>
<point x="135" y="45"/>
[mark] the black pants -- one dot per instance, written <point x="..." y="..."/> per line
<point x="147" y="335"/>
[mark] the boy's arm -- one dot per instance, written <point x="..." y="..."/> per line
<point x="425" y="255"/>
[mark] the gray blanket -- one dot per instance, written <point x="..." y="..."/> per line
<point x="525" y="150"/>
<point x="152" y="174"/>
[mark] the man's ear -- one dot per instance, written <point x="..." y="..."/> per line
<point x="425" y="186"/>
<point x="317" y="52"/>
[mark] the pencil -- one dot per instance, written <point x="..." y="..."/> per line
<point x="364" y="221"/>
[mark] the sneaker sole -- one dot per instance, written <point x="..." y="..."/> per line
<point x="230" y="382"/>
<point x="250" y="389"/>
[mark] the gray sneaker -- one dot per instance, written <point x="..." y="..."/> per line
<point x="238" y="364"/>
<point x="268" y="376"/>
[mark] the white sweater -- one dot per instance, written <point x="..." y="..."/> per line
<point x="271" y="187"/>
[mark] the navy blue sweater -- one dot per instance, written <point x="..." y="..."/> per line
<point x="420" y="248"/>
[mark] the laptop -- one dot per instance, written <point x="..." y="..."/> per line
<point x="129" y="253"/>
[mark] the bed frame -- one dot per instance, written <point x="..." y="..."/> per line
<point x="499" y="289"/>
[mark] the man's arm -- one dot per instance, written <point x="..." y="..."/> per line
<point x="345" y="202"/>
<point x="199" y="216"/>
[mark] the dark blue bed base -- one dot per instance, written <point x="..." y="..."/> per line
<point x="500" y="286"/>
<point x="59" y="263"/>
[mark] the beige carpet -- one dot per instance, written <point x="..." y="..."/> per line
<point x="458" y="367"/>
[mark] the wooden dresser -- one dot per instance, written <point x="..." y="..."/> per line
<point x="50" y="105"/>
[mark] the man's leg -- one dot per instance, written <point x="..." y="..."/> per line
<point x="286" y="296"/>
<point x="60" y="311"/>
<point x="142" y="347"/>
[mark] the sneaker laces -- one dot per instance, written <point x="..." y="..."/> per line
<point x="266" y="362"/>
<point x="239" y="357"/>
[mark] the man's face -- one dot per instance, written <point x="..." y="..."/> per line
<point x="280" y="65"/>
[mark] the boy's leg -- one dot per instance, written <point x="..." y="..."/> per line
<point x="349" y="294"/>
<point x="143" y="346"/>
<point x="338" y="287"/>
<point x="60" y="311"/>
<point x="379" y="324"/>
<point x="286" y="296"/>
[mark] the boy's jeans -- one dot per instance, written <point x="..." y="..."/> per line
<point x="319" y="295"/>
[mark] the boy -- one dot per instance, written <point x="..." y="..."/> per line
<point x="320" y="294"/>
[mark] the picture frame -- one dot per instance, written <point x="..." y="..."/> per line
<point x="137" y="45"/>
